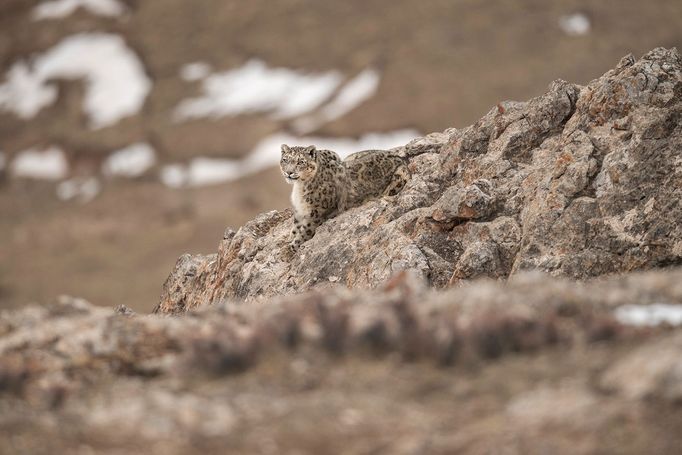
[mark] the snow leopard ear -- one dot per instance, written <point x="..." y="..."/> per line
<point x="285" y="149"/>
<point x="310" y="150"/>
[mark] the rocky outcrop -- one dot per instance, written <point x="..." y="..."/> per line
<point x="534" y="365"/>
<point x="579" y="182"/>
<point x="440" y="355"/>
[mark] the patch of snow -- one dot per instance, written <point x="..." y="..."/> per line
<point x="649" y="315"/>
<point x="173" y="175"/>
<point x="255" y="87"/>
<point x="201" y="172"/>
<point x="355" y="92"/>
<point x="131" y="161"/>
<point x="115" y="80"/>
<point x="58" y="9"/>
<point x="82" y="189"/>
<point x="209" y="171"/>
<point x="45" y="164"/>
<point x="25" y="92"/>
<point x="575" y="24"/>
<point x="195" y="71"/>
<point x="268" y="149"/>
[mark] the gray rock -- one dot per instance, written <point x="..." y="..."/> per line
<point x="579" y="182"/>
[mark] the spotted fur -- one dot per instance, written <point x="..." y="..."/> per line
<point x="319" y="191"/>
<point x="324" y="186"/>
<point x="373" y="173"/>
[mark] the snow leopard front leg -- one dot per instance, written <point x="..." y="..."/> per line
<point x="304" y="229"/>
<point x="296" y="234"/>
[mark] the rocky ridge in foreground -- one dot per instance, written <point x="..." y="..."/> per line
<point x="579" y="182"/>
<point x="535" y="365"/>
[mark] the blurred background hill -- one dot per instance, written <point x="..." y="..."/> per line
<point x="133" y="131"/>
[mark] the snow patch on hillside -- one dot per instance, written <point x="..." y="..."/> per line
<point x="576" y="24"/>
<point x="209" y="171"/>
<point x="131" y="161"/>
<point x="81" y="189"/>
<point x="59" y="9"/>
<point x="256" y="88"/>
<point x="649" y="315"/>
<point x="42" y="164"/>
<point x="116" y="85"/>
<point x="195" y="71"/>
<point x="355" y="92"/>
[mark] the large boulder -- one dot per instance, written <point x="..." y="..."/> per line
<point x="579" y="182"/>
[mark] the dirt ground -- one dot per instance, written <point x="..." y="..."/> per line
<point x="443" y="63"/>
<point x="120" y="247"/>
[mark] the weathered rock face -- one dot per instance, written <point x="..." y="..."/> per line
<point x="579" y="182"/>
<point x="535" y="365"/>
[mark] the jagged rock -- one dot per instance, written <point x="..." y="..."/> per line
<point x="579" y="182"/>
<point x="461" y="204"/>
